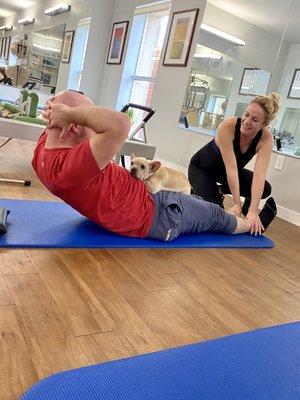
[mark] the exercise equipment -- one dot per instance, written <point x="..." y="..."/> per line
<point x="263" y="365"/>
<point x="25" y="110"/>
<point x="132" y="145"/>
<point x="42" y="224"/>
<point x="3" y="216"/>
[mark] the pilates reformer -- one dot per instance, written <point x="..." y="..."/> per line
<point x="132" y="144"/>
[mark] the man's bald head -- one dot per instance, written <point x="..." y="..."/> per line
<point x="72" y="99"/>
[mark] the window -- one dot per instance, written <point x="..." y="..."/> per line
<point x="81" y="38"/>
<point x="143" y="55"/>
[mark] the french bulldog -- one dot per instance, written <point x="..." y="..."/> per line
<point x="157" y="177"/>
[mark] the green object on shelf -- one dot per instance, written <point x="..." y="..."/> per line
<point x="24" y="93"/>
<point x="297" y="152"/>
<point x="26" y="118"/>
<point x="34" y="104"/>
<point x="11" y="108"/>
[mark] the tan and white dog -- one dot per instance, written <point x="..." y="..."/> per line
<point x="156" y="177"/>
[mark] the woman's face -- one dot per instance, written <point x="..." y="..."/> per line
<point x="253" y="119"/>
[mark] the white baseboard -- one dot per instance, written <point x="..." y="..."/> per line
<point x="288" y="215"/>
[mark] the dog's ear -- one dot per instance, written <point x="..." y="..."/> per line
<point x="155" y="165"/>
<point x="132" y="156"/>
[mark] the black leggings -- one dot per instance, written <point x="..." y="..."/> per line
<point x="204" y="184"/>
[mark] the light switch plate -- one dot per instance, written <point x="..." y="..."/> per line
<point x="279" y="162"/>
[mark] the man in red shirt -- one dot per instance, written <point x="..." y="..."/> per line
<point x="73" y="159"/>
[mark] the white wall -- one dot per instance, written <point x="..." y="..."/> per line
<point x="95" y="57"/>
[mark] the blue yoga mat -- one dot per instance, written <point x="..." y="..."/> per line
<point x="43" y="224"/>
<point x="258" y="365"/>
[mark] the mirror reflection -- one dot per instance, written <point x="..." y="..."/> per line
<point x="226" y="75"/>
<point x="46" y="55"/>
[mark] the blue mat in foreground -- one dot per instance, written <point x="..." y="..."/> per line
<point x="258" y="365"/>
<point x="43" y="224"/>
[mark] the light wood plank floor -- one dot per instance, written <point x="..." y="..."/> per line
<point x="61" y="309"/>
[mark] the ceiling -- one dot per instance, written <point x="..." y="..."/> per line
<point x="269" y="15"/>
<point x="8" y="7"/>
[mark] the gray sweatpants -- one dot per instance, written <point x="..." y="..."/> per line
<point x="177" y="214"/>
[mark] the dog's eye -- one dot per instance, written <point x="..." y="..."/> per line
<point x="131" y="163"/>
<point x="143" y="166"/>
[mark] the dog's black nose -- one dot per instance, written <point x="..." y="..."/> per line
<point x="133" y="171"/>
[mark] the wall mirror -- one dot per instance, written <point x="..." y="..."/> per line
<point x="44" y="52"/>
<point x="48" y="55"/>
<point x="226" y="74"/>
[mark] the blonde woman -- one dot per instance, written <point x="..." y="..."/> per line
<point x="223" y="161"/>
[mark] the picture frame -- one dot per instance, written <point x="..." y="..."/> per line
<point x="3" y="42"/>
<point x="294" y="89"/>
<point x="7" y="47"/>
<point x="67" y="46"/>
<point x="180" y="37"/>
<point x="117" y="42"/>
<point x="254" y="82"/>
<point x="46" y="78"/>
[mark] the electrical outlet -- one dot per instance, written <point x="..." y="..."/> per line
<point x="279" y="162"/>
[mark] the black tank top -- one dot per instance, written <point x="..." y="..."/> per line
<point x="210" y="156"/>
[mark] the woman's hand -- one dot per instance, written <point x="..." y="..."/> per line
<point x="236" y="210"/>
<point x="256" y="225"/>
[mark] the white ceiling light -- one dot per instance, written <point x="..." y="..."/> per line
<point x="46" y="48"/>
<point x="211" y="56"/>
<point x="58" y="9"/>
<point x="223" y="35"/>
<point x="6" y="28"/>
<point x="26" y="21"/>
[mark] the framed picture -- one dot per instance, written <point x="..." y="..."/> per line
<point x="3" y="42"/>
<point x="180" y="37"/>
<point x="7" y="47"/>
<point x="255" y="82"/>
<point x="117" y="42"/>
<point x="294" y="90"/>
<point x="67" y="47"/>
<point x="45" y="78"/>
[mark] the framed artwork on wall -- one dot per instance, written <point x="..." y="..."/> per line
<point x="294" y="90"/>
<point x="67" y="47"/>
<point x="255" y="82"/>
<point x="180" y="37"/>
<point x="7" y="47"/>
<point x="117" y="42"/>
<point x="3" y="41"/>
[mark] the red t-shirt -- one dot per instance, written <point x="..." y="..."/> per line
<point x="110" y="197"/>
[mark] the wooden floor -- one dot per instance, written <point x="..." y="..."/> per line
<point x="62" y="309"/>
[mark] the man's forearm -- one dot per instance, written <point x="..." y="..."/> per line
<point x="99" y="119"/>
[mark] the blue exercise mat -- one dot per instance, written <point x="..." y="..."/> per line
<point x="43" y="224"/>
<point x="258" y="365"/>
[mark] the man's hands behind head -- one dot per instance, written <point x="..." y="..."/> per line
<point x="56" y="115"/>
